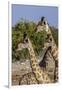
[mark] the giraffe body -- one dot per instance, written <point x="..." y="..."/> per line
<point x="50" y="40"/>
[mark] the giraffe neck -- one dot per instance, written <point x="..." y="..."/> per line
<point x="40" y="75"/>
<point x="54" y="49"/>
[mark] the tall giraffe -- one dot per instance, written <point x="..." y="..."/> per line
<point x="50" y="41"/>
<point x="44" y="26"/>
<point x="40" y="75"/>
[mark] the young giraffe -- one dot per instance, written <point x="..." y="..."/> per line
<point x="50" y="41"/>
<point x="40" y="75"/>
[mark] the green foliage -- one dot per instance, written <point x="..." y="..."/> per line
<point x="37" y="39"/>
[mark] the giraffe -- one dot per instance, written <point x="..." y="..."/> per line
<point x="50" y="41"/>
<point x="40" y="75"/>
<point x="44" y="24"/>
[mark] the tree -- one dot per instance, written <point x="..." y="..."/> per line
<point x="37" y="39"/>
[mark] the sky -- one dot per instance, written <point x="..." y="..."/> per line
<point x="34" y="13"/>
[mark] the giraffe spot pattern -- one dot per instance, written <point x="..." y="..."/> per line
<point x="53" y="50"/>
<point x="38" y="75"/>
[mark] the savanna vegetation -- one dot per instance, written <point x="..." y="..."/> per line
<point x="37" y="39"/>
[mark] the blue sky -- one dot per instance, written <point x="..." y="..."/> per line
<point x="34" y="13"/>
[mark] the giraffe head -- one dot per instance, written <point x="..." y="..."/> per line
<point x="42" y="25"/>
<point x="24" y="44"/>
